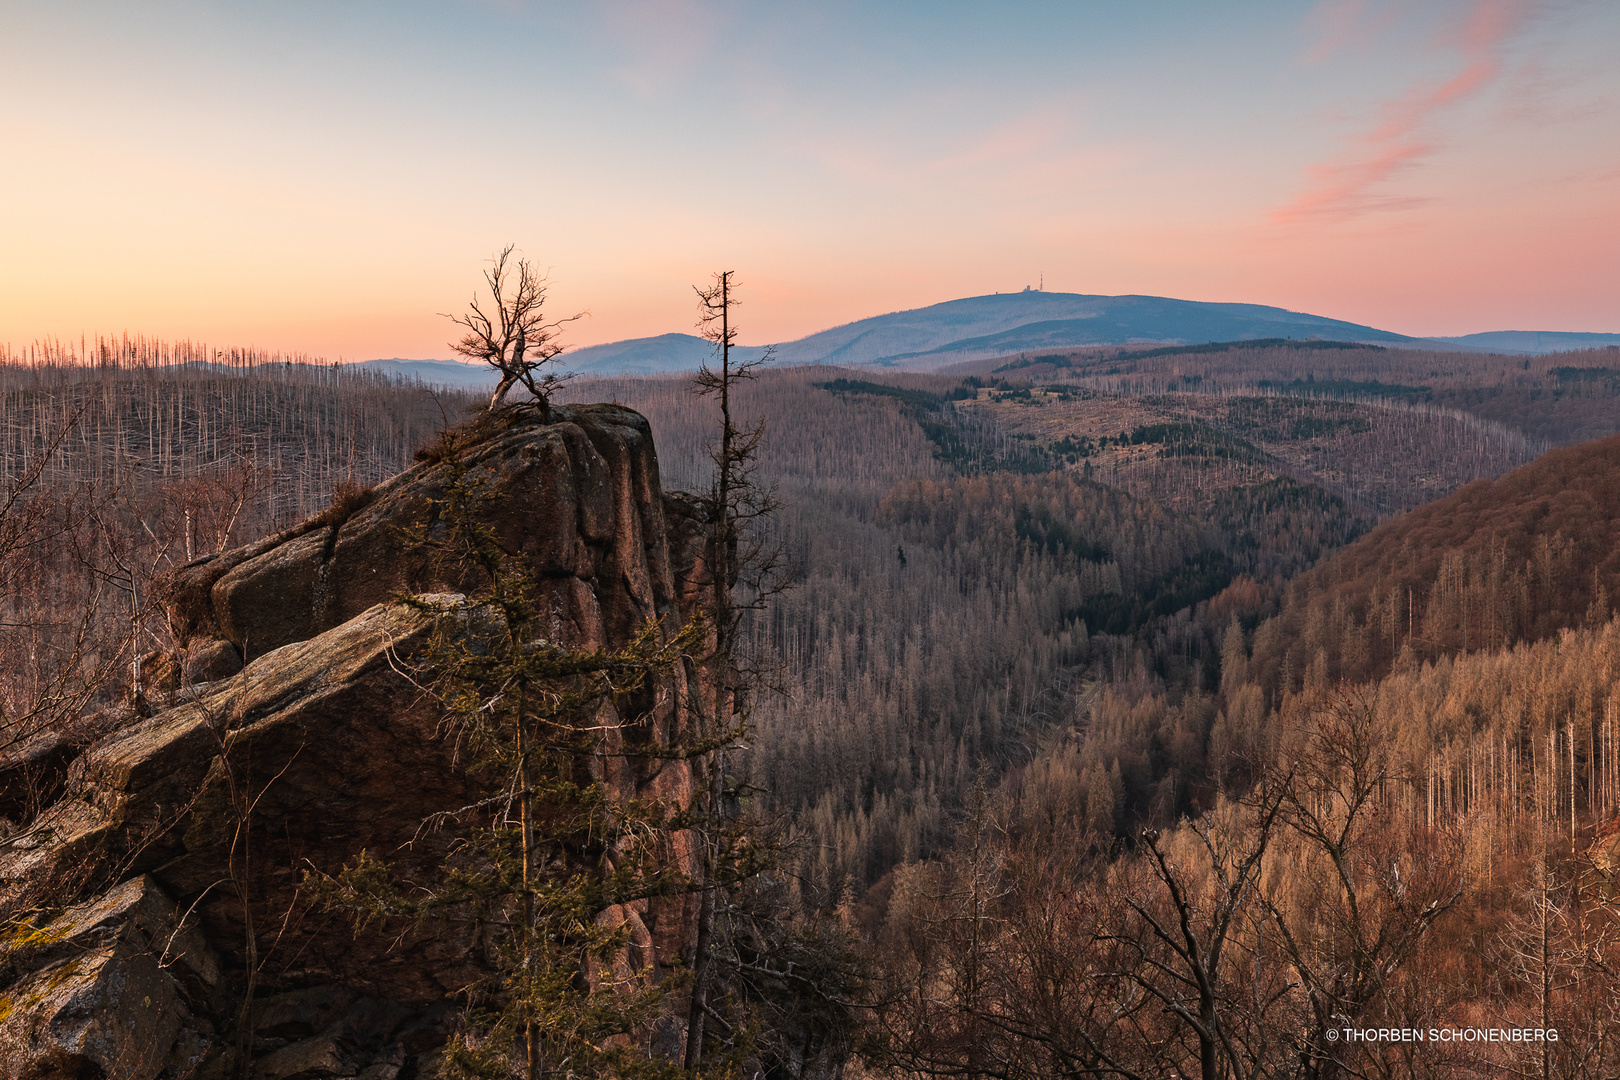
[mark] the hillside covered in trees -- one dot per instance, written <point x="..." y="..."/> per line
<point x="978" y="566"/>
<point x="1488" y="567"/>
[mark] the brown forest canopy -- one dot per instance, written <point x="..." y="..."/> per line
<point x="1495" y="563"/>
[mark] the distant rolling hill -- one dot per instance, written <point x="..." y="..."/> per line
<point x="451" y="373"/>
<point x="648" y="356"/>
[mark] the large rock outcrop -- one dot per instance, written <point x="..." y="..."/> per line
<point x="299" y="739"/>
<point x="579" y="498"/>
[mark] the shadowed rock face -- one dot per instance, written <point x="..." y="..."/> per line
<point x="321" y="746"/>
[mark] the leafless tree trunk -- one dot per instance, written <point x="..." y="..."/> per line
<point x="734" y="503"/>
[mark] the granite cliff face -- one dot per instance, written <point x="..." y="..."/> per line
<point x="285" y="734"/>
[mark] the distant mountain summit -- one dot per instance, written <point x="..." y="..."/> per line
<point x="979" y="327"/>
<point x="926" y="339"/>
<point x="648" y="356"/>
<point x="982" y="326"/>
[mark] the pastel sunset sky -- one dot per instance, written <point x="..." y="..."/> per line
<point x="327" y="176"/>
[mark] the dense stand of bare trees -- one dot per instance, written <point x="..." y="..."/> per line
<point x="1273" y="935"/>
<point x="298" y="429"/>
<point x="58" y="586"/>
<point x="52" y="358"/>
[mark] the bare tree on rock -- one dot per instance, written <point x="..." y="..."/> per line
<point x="509" y="331"/>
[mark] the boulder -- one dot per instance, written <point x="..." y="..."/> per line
<point x="298" y="1014"/>
<point x="314" y="752"/>
<point x="31" y="773"/>
<point x="210" y="659"/>
<point x="360" y="1042"/>
<point x="117" y="986"/>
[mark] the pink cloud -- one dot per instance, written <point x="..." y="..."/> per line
<point x="1351" y="183"/>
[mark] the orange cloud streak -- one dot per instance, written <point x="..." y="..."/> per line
<point x="1346" y="186"/>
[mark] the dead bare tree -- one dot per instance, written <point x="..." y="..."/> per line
<point x="509" y="332"/>
<point x="1183" y="937"/>
<point x="1368" y="885"/>
<point x="736" y="559"/>
<point x="1001" y="961"/>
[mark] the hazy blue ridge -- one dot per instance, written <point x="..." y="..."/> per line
<point x="453" y="373"/>
<point x="643" y="356"/>
<point x="1533" y="342"/>
<point x="659" y="355"/>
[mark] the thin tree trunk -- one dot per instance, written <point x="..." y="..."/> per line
<point x="531" y="1032"/>
<point x="720" y="672"/>
<point x="721" y="526"/>
<point x="1546" y="974"/>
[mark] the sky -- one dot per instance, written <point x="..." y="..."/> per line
<point x="331" y="177"/>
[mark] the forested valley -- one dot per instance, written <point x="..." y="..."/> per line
<point x="1149" y="712"/>
<point x="1149" y="726"/>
